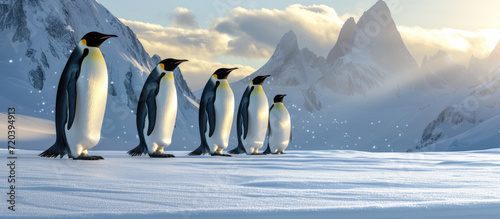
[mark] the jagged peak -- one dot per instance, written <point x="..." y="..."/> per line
<point x="496" y="51"/>
<point x="349" y="22"/>
<point x="380" y="13"/>
<point x="424" y="61"/>
<point x="289" y="40"/>
<point x="380" y="5"/>
<point x="343" y="44"/>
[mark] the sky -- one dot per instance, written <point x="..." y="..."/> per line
<point x="226" y="33"/>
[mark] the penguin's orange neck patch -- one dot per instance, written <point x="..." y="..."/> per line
<point x="84" y="42"/>
<point x="162" y="66"/>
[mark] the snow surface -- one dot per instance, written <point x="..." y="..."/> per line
<point x="318" y="184"/>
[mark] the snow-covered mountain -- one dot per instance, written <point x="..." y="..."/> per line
<point x="288" y="63"/>
<point x="369" y="93"/>
<point x="441" y="72"/>
<point x="343" y="46"/>
<point x="39" y="37"/>
<point x="472" y="122"/>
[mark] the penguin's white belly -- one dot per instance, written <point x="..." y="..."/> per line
<point x="280" y="125"/>
<point x="166" y="112"/>
<point x="258" y="114"/>
<point x="91" y="95"/>
<point x="224" y="112"/>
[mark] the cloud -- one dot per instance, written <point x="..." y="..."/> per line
<point x="255" y="33"/>
<point x="183" y="17"/>
<point x="200" y="46"/>
<point x="177" y="42"/>
<point x="459" y="44"/>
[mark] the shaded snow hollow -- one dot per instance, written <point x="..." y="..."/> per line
<point x="321" y="184"/>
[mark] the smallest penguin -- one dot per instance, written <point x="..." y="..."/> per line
<point x="279" y="131"/>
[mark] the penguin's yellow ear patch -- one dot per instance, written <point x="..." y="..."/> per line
<point x="162" y="66"/>
<point x="215" y="76"/>
<point x="84" y="41"/>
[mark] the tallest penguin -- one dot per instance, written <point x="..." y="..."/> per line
<point x="80" y="101"/>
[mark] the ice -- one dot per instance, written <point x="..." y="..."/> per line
<point x="317" y="184"/>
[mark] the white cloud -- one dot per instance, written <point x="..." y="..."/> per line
<point x="177" y="42"/>
<point x="183" y="17"/>
<point x="459" y="44"/>
<point x="253" y="34"/>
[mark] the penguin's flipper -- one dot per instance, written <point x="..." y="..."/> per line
<point x="290" y="136"/>
<point x="211" y="111"/>
<point x="139" y="150"/>
<point x="73" y="72"/>
<point x="202" y="149"/>
<point x="151" y="104"/>
<point x="244" y="112"/>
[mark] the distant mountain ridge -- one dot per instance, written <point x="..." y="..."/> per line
<point x="371" y="72"/>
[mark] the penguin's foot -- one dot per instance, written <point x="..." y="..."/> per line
<point x="157" y="155"/>
<point x="222" y="155"/>
<point x="258" y="154"/>
<point x="280" y="152"/>
<point x="88" y="157"/>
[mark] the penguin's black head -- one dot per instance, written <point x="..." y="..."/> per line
<point x="278" y="98"/>
<point x="260" y="79"/>
<point x="171" y="64"/>
<point x="222" y="73"/>
<point x="95" y="39"/>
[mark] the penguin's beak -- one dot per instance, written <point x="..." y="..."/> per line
<point x="266" y="76"/>
<point x="231" y="69"/>
<point x="180" y="61"/>
<point x="107" y="36"/>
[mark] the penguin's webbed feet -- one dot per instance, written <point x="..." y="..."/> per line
<point x="222" y="155"/>
<point x="157" y="155"/>
<point x="88" y="157"/>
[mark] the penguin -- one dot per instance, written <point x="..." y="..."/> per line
<point x="216" y="114"/>
<point x="81" y="100"/>
<point x="251" y="120"/>
<point x="158" y="101"/>
<point x="279" y="131"/>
